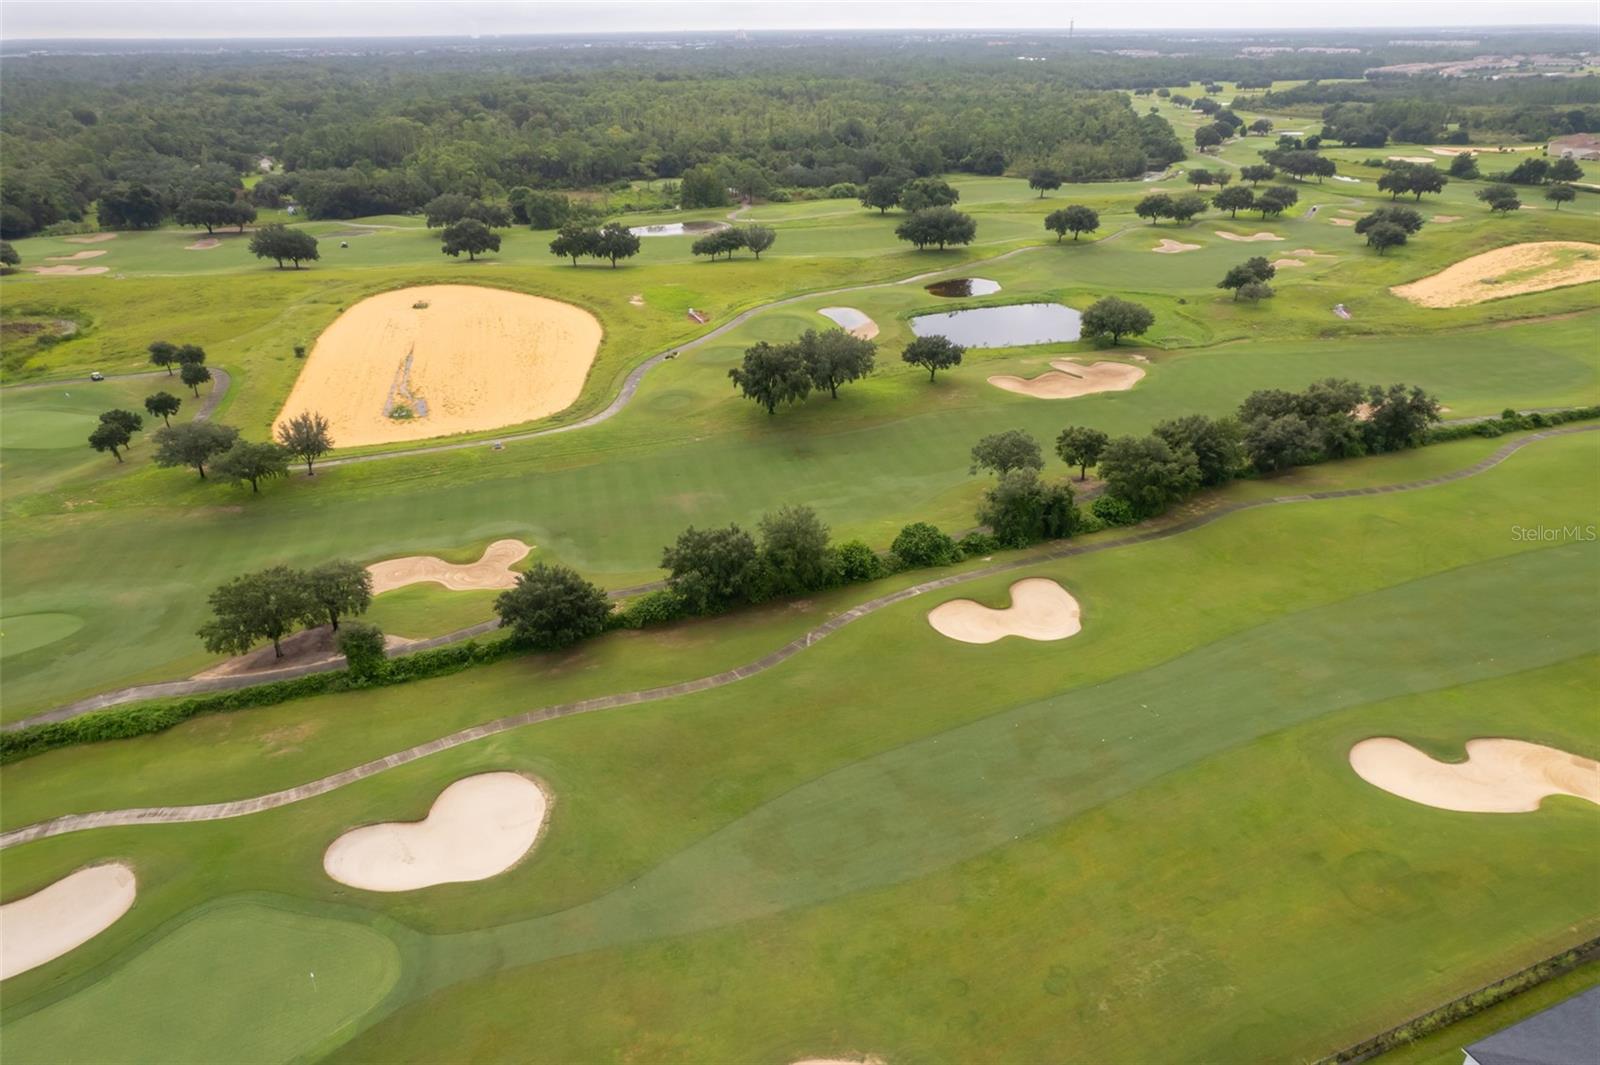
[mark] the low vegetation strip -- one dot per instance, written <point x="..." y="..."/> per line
<point x="1467" y="1005"/>
<point x="239" y="808"/>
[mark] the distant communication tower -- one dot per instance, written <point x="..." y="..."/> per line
<point x="1070" y="24"/>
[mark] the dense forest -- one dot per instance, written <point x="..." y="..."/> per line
<point x="385" y="130"/>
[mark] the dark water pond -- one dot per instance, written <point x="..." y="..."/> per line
<point x="964" y="286"/>
<point x="1002" y="327"/>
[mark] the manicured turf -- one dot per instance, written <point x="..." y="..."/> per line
<point x="1153" y="818"/>
<point x="239" y="982"/>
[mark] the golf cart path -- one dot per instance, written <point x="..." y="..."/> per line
<point x="220" y="382"/>
<point x="1061" y="549"/>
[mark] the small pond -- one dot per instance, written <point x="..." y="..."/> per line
<point x="674" y="229"/>
<point x="964" y="286"/>
<point x="1002" y="327"/>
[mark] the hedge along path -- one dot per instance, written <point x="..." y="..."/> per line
<point x="218" y="811"/>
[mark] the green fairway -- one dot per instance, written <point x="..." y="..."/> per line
<point x="1202" y="717"/>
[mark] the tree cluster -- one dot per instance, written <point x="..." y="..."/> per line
<point x="272" y="603"/>
<point x="611" y="241"/>
<point x="727" y="240"/>
<point x="775" y="374"/>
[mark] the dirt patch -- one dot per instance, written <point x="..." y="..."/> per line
<point x="68" y="271"/>
<point x="305" y="648"/>
<point x="1263" y="235"/>
<point x="854" y="321"/>
<point x="1287" y="262"/>
<point x="203" y="244"/>
<point x="1511" y="271"/>
<point x="1446" y="218"/>
<point x="434" y="360"/>
<point x="636" y="300"/>
<point x="478" y="827"/>
<point x="74" y="257"/>
<point x="491" y="570"/>
<point x="1500" y="776"/>
<point x="1169" y="246"/>
<point x="67" y="914"/>
<point x="1343" y="221"/>
<point x="91" y="238"/>
<point x="1040" y="610"/>
<point x="1071" y="379"/>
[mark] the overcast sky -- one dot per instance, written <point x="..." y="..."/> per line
<point x="88" y="19"/>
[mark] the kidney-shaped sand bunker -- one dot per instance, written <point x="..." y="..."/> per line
<point x="1040" y="610"/>
<point x="434" y="360"/>
<point x="1500" y="776"/>
<point x="479" y="827"/>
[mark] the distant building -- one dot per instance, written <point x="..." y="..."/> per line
<point x="1565" y="1034"/>
<point x="1577" y="146"/>
<point x="264" y="164"/>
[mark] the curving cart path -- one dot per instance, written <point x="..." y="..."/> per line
<point x="1062" y="549"/>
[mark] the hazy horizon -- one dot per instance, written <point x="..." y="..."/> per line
<point x="180" y="20"/>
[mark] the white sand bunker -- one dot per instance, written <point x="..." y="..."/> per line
<point x="203" y="244"/>
<point x="479" y="827"/>
<point x="856" y="322"/>
<point x="74" y="257"/>
<point x="1070" y="379"/>
<point x="92" y="238"/>
<point x="65" y="915"/>
<point x="1263" y="235"/>
<point x="433" y="360"/>
<point x="492" y="570"/>
<point x="1287" y="262"/>
<point x="68" y="271"/>
<point x="1168" y="246"/>
<point x="1446" y="218"/>
<point x="307" y="647"/>
<point x="1040" y="610"/>
<point x="1343" y="221"/>
<point x="1499" y="776"/>
<point x="1511" y="271"/>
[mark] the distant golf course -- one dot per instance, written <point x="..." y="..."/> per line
<point x="1102" y="810"/>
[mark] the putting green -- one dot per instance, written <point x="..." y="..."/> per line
<point x="243" y="982"/>
<point x="46" y="427"/>
<point x="24" y="632"/>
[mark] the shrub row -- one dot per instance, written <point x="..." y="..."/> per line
<point x="1510" y="422"/>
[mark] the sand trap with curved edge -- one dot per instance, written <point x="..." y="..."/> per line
<point x="1446" y="218"/>
<point x="1287" y="262"/>
<point x="460" y="357"/>
<point x="478" y="827"/>
<point x="1343" y="221"/>
<point x="67" y="914"/>
<point x="492" y="570"/>
<point x="68" y="271"/>
<point x="1263" y="235"/>
<point x="1070" y="379"/>
<point x="1040" y="610"/>
<point x="1511" y="271"/>
<point x="92" y="238"/>
<point x="855" y="322"/>
<point x="1500" y="776"/>
<point x="203" y="244"/>
<point x="75" y="256"/>
<point x="1168" y="246"/>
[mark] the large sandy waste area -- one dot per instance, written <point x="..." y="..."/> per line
<point x="1474" y="280"/>
<point x="475" y="357"/>
<point x="67" y="914"/>
<point x="1500" y="776"/>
